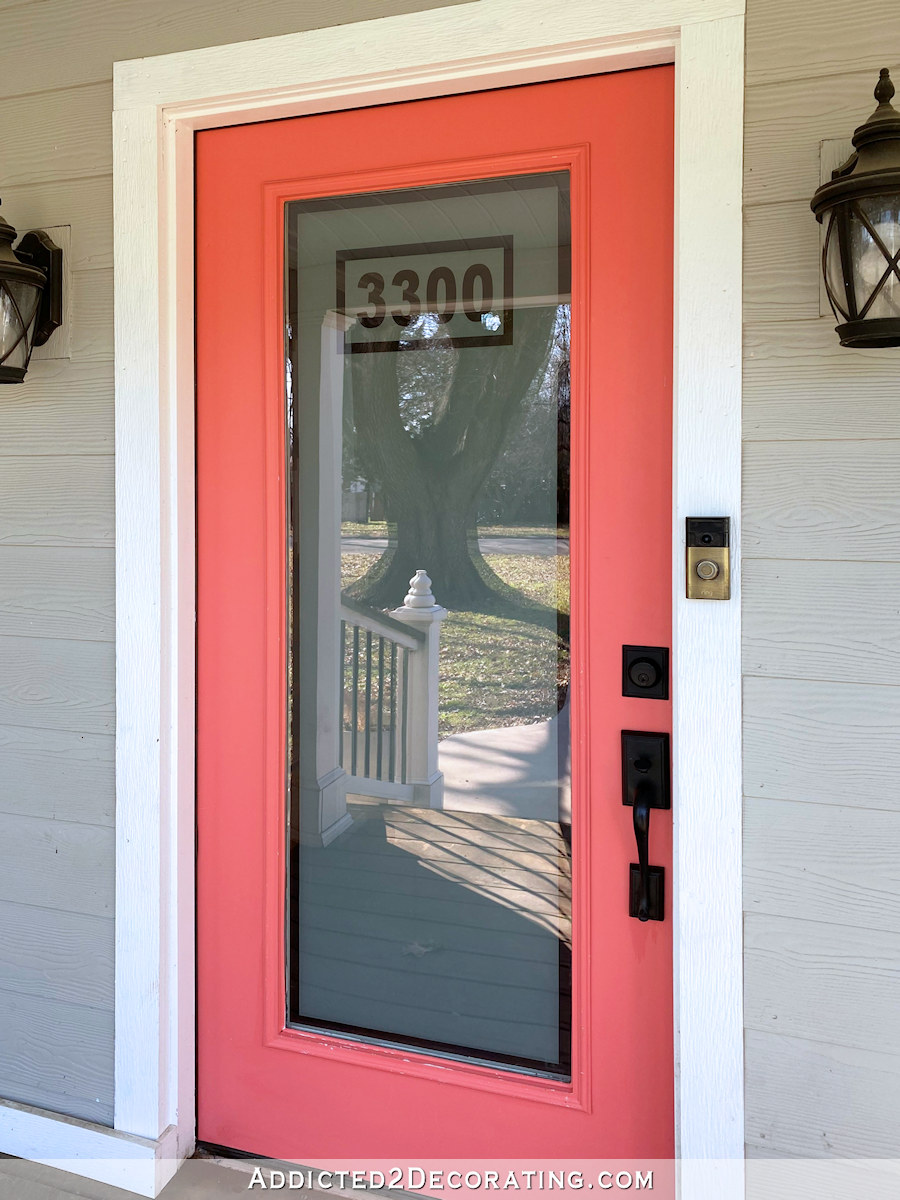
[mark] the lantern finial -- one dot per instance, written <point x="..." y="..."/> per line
<point x="884" y="89"/>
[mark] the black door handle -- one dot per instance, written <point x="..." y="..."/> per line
<point x="645" y="785"/>
<point x="642" y="801"/>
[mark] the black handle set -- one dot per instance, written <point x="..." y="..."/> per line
<point x="645" y="786"/>
<point x="645" y="776"/>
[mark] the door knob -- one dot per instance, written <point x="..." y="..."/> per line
<point x="645" y="786"/>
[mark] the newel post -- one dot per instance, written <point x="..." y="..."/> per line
<point x="323" y="783"/>
<point x="420" y="610"/>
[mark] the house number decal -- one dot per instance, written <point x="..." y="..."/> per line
<point x="451" y="293"/>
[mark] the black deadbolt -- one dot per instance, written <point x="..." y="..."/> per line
<point x="645" y="672"/>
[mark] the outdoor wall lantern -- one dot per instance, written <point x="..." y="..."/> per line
<point x="30" y="297"/>
<point x="861" y="258"/>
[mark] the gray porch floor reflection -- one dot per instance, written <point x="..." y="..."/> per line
<point x="450" y="926"/>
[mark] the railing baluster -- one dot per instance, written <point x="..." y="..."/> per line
<point x="342" y="721"/>
<point x="380" y="730"/>
<point x="368" y="713"/>
<point x="403" y="710"/>
<point x="392" y="761"/>
<point x="355" y="699"/>
<point x="404" y="707"/>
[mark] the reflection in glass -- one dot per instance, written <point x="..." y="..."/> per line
<point x="876" y="243"/>
<point x="430" y="821"/>
<point x="871" y="287"/>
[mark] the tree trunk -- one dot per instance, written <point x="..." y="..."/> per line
<point x="435" y="537"/>
<point x="431" y="477"/>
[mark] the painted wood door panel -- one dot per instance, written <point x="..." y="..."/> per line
<point x="308" y="1094"/>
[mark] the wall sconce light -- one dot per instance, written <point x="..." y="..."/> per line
<point x="861" y="258"/>
<point x="30" y="297"/>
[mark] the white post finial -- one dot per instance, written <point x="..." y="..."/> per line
<point x="420" y="594"/>
<point x="420" y="611"/>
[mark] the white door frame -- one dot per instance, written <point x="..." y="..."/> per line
<point x="159" y="103"/>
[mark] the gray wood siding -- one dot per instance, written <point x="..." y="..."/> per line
<point x="821" y="620"/>
<point x="76" y="961"/>
<point x="821" y="742"/>
<point x="57" y="603"/>
<point x="800" y="384"/>
<point x="817" y="1099"/>
<point x="57" y="774"/>
<point x="821" y="862"/>
<point x="57" y="591"/>
<point x="55" y="1054"/>
<point x="821" y="590"/>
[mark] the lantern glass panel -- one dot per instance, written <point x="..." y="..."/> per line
<point x="834" y="274"/>
<point x="875" y="251"/>
<point x="18" y="309"/>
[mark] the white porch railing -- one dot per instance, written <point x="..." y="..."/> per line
<point x="389" y="698"/>
<point x="372" y="676"/>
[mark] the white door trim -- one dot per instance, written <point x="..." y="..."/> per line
<point x="159" y="103"/>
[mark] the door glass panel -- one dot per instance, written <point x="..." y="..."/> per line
<point x="429" y="881"/>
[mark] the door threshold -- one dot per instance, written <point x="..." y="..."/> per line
<point x="247" y="1164"/>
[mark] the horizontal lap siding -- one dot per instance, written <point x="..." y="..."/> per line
<point x="800" y="384"/>
<point x="821" y="617"/>
<point x="57" y="524"/>
<point x="821" y="1100"/>
<point x="62" y="775"/>
<point x="822" y="620"/>
<point x="57" y="591"/>
<point x="822" y="742"/>
<point x="860" y="968"/>
<point x="55" y="1055"/>
<point x="825" y="863"/>
<point x="810" y="39"/>
<point x="74" y="400"/>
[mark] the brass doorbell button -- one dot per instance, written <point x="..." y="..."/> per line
<point x="708" y="558"/>
<point x="707" y="569"/>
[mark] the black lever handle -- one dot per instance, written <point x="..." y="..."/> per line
<point x="644" y="795"/>
<point x="645" y="785"/>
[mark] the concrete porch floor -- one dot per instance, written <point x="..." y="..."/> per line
<point x="200" y="1178"/>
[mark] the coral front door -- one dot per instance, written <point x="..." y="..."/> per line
<point x="433" y="450"/>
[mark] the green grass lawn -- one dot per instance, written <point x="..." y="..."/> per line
<point x="500" y="669"/>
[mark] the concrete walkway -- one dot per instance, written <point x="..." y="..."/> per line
<point x="513" y="772"/>
<point x="541" y="546"/>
